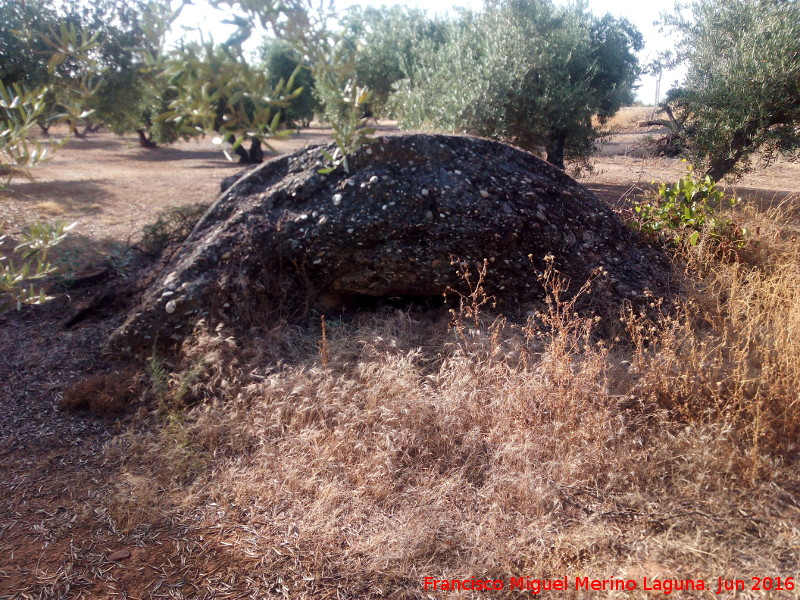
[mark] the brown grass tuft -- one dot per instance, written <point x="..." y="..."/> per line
<point x="50" y="208"/>
<point x="104" y="394"/>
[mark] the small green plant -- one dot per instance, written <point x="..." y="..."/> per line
<point x="185" y="381"/>
<point x="158" y="377"/>
<point x="687" y="211"/>
<point x="16" y="278"/>
<point x="170" y="390"/>
<point x="19" y="110"/>
<point x="349" y="132"/>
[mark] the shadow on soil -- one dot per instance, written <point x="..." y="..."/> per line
<point x="84" y="196"/>
<point x="766" y="199"/>
<point x="100" y="144"/>
<point x="165" y="154"/>
<point x="78" y="251"/>
<point x="618" y="195"/>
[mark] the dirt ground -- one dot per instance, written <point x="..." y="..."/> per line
<point x="57" y="537"/>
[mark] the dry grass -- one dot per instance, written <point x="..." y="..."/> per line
<point x="103" y="394"/>
<point x="627" y="119"/>
<point x="734" y="354"/>
<point x="404" y="446"/>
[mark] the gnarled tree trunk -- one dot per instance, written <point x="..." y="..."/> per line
<point x="249" y="156"/>
<point x="145" y="141"/>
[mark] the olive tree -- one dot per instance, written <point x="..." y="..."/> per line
<point x="281" y="62"/>
<point x="120" y="84"/>
<point x="217" y="92"/>
<point x="388" y="44"/>
<point x="23" y="49"/>
<point x="741" y="94"/>
<point x="527" y="72"/>
<point x="95" y="59"/>
<point x="312" y="31"/>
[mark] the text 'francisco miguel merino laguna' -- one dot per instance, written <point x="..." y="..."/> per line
<point x="536" y="586"/>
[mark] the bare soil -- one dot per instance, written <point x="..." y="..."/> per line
<point x="57" y="534"/>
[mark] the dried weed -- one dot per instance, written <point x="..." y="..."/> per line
<point x="104" y="394"/>
<point x="401" y="447"/>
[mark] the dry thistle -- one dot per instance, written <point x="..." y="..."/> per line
<point x="323" y="344"/>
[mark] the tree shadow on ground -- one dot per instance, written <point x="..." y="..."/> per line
<point x="167" y="154"/>
<point x="84" y="196"/>
<point x="618" y="195"/>
<point x="78" y="251"/>
<point x="766" y="199"/>
<point x="99" y="144"/>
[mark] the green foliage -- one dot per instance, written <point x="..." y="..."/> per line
<point x="218" y="92"/>
<point x="158" y="377"/>
<point x="23" y="49"/>
<point x="98" y="60"/>
<point x="15" y="279"/>
<point x="527" y="72"/>
<point x="689" y="211"/>
<point x="741" y="95"/>
<point x="389" y="42"/>
<point x="172" y="399"/>
<point x="161" y="131"/>
<point x="281" y="61"/>
<point x="40" y="50"/>
<point x="329" y="55"/>
<point x="130" y="64"/>
<point x="349" y="132"/>
<point x="74" y="89"/>
<point x="19" y="110"/>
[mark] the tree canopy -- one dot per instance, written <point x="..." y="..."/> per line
<point x="528" y="72"/>
<point x="741" y="94"/>
<point x="524" y="71"/>
<point x="217" y="92"/>
<point x="389" y="43"/>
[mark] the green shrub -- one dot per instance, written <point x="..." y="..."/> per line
<point x="15" y="279"/>
<point x="685" y="212"/>
<point x="528" y="72"/>
<point x="281" y="62"/>
<point x="740" y="96"/>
